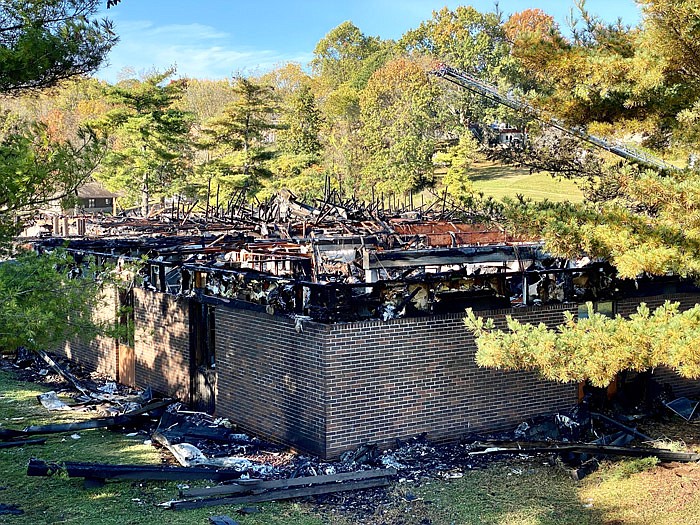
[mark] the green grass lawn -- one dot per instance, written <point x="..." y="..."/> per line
<point x="512" y="492"/>
<point x="500" y="181"/>
<point x="60" y="499"/>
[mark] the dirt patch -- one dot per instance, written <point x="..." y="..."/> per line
<point x="681" y="480"/>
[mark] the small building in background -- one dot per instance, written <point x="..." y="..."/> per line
<point x="92" y="198"/>
<point x="506" y="135"/>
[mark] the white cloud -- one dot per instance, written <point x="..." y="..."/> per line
<point x="197" y="50"/>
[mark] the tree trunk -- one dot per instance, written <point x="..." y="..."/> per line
<point x="145" y="196"/>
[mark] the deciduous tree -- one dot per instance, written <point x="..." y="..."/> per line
<point x="399" y="127"/>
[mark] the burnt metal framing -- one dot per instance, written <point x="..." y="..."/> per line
<point x="207" y="269"/>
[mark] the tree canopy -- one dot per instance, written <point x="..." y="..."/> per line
<point x="45" y="41"/>
<point x="638" y="82"/>
<point x="370" y="118"/>
<point x="150" y="150"/>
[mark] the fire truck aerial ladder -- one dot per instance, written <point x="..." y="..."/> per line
<point x="490" y="91"/>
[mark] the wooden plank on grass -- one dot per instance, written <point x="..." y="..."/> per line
<point x="257" y="486"/>
<point x="275" y="495"/>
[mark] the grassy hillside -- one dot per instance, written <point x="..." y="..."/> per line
<point x="501" y="181"/>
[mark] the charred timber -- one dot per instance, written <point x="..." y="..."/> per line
<point x="257" y="485"/>
<point x="283" y="494"/>
<point x="102" y="471"/>
<point x="521" y="447"/>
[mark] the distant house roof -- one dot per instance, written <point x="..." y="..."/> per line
<point x="94" y="190"/>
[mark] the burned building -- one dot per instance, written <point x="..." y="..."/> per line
<point x="333" y="325"/>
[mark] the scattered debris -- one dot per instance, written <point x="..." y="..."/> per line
<point x="521" y="447"/>
<point x="684" y="407"/>
<point x="50" y="401"/>
<point x="101" y="472"/>
<point x="197" y="439"/>
<point x="257" y="485"/>
<point x="222" y="520"/>
<point x="619" y="425"/>
<point x="244" y="511"/>
<point x="254" y="491"/>
<point x="584" y="469"/>
<point x="121" y="420"/>
<point x="255" y="471"/>
<point x="64" y="373"/>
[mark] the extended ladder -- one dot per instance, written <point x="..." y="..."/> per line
<point x="490" y="91"/>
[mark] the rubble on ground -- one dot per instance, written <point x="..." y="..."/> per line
<point x="221" y="452"/>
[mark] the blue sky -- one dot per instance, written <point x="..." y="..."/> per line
<point x="219" y="38"/>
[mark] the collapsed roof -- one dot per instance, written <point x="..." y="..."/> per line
<point x="342" y="261"/>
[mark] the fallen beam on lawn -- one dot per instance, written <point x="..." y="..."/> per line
<point x="102" y="422"/>
<point x="22" y="443"/>
<point x="522" y="447"/>
<point x="103" y="471"/>
<point x="64" y="373"/>
<point x="7" y="433"/>
<point x="275" y="495"/>
<point x="257" y="485"/>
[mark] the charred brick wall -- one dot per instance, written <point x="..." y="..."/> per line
<point x="408" y="376"/>
<point x="664" y="375"/>
<point x="99" y="354"/>
<point x="162" y="343"/>
<point x="271" y="376"/>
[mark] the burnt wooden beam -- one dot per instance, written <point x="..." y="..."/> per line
<point x="102" y="422"/>
<point x="102" y="471"/>
<point x="7" y="434"/>
<point x="283" y="494"/>
<point x="373" y="260"/>
<point x="22" y="443"/>
<point x="521" y="447"/>
<point x="619" y="425"/>
<point x="62" y="372"/>
<point x="258" y="485"/>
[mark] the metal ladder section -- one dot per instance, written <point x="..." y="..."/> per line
<point x="490" y="91"/>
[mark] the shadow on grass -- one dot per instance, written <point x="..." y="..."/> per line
<point x="483" y="171"/>
<point x="518" y="493"/>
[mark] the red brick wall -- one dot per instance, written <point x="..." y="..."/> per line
<point x="271" y="378"/>
<point x="409" y="376"/>
<point x="99" y="354"/>
<point x="162" y="343"/>
<point x="331" y="388"/>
